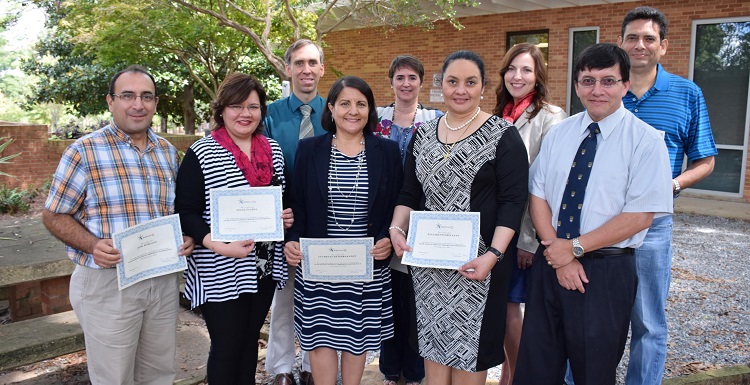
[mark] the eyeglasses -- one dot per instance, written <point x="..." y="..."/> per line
<point x="131" y="97"/>
<point x="606" y="82"/>
<point x="237" y="108"/>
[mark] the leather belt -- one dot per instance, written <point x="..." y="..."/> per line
<point x="610" y="251"/>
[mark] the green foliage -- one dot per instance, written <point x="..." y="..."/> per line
<point x="277" y="23"/>
<point x="14" y="201"/>
<point x="4" y="143"/>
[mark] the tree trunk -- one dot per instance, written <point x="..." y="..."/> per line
<point x="163" y="118"/>
<point x="188" y="109"/>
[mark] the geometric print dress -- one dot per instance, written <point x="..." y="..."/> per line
<point x="461" y="322"/>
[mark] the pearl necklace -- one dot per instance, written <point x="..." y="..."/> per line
<point x="465" y="123"/>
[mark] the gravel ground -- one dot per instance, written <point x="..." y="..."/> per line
<point x="708" y="309"/>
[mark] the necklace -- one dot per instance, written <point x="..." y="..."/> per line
<point x="465" y="123"/>
<point x="403" y="133"/>
<point x="449" y="148"/>
<point x="336" y="183"/>
<point x="413" y="117"/>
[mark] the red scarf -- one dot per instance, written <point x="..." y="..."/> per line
<point x="512" y="112"/>
<point x="258" y="169"/>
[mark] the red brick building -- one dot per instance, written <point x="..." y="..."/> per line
<point x="713" y="31"/>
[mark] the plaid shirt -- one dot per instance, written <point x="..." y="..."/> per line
<point x="105" y="182"/>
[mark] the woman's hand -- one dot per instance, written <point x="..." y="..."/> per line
<point x="236" y="249"/>
<point x="399" y="242"/>
<point x="525" y="259"/>
<point x="382" y="249"/>
<point x="292" y="253"/>
<point x="288" y="217"/>
<point x="186" y="248"/>
<point x="479" y="268"/>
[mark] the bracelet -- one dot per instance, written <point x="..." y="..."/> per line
<point x="400" y="230"/>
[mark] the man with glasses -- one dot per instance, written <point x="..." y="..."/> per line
<point x="107" y="181"/>
<point x="288" y="121"/>
<point x="600" y="178"/>
<point x="674" y="106"/>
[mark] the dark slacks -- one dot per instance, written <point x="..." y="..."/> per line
<point x="234" y="328"/>
<point x="589" y="329"/>
<point x="397" y="356"/>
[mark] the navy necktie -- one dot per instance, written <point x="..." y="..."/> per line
<point x="569" y="216"/>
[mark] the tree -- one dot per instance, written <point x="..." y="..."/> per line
<point x="188" y="53"/>
<point x="267" y="22"/>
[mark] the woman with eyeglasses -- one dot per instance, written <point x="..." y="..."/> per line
<point x="345" y="185"/>
<point x="397" y="122"/>
<point x="522" y="101"/>
<point x="232" y="283"/>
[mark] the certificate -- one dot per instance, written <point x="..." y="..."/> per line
<point x="337" y="259"/>
<point x="444" y="240"/>
<point x="149" y="249"/>
<point x="246" y="213"/>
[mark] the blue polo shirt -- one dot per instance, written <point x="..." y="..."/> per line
<point x="283" y="120"/>
<point x="676" y="106"/>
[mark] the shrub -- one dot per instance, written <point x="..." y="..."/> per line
<point x="13" y="201"/>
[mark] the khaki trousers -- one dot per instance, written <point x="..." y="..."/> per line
<point x="130" y="334"/>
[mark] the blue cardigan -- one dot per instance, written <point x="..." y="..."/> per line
<point x="308" y="188"/>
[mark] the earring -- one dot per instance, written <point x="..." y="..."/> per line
<point x="481" y="97"/>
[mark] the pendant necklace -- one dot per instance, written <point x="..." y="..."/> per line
<point x="465" y="123"/>
<point x="449" y="148"/>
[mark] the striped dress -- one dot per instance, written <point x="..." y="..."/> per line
<point x="215" y="278"/>
<point x="347" y="316"/>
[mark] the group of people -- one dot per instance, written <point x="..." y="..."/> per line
<point x="575" y="220"/>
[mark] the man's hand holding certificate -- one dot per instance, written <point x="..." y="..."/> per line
<point x="439" y="239"/>
<point x="149" y="249"/>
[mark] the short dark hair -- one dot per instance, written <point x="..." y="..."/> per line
<point x="601" y="56"/>
<point x="646" y="13"/>
<point x="235" y="89"/>
<point x="465" y="55"/>
<point x="297" y="45"/>
<point x="333" y="95"/>
<point x="132" y="68"/>
<point x="540" y="71"/>
<point x="406" y="61"/>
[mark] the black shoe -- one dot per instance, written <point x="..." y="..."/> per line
<point x="284" y="379"/>
<point x="306" y="378"/>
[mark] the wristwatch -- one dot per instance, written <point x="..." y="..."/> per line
<point x="676" y="191"/>
<point x="577" y="248"/>
<point x="499" y="254"/>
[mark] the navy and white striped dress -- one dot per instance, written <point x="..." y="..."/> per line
<point x="347" y="316"/>
<point x="211" y="277"/>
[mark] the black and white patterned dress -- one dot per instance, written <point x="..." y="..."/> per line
<point x="348" y="316"/>
<point x="460" y="322"/>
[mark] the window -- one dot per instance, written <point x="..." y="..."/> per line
<point x="538" y="38"/>
<point x="579" y="39"/>
<point x="720" y="66"/>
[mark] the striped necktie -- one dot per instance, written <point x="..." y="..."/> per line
<point x="569" y="216"/>
<point x="306" y="127"/>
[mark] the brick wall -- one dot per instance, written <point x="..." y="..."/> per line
<point x="368" y="52"/>
<point x="40" y="156"/>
